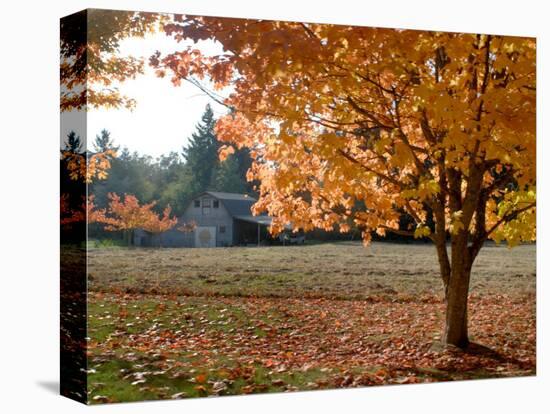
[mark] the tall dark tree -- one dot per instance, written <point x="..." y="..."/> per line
<point x="201" y="155"/>
<point x="104" y="142"/>
<point x="228" y="176"/>
<point x="245" y="162"/>
<point x="73" y="143"/>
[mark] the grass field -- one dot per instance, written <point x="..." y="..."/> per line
<point x="175" y="323"/>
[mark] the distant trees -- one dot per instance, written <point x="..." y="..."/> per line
<point x="171" y="179"/>
<point x="129" y="173"/>
<point x="153" y="185"/>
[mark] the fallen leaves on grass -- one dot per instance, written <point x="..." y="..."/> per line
<point x="239" y="345"/>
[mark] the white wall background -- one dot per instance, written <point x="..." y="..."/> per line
<point x="29" y="205"/>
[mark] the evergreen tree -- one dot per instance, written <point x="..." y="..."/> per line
<point x="130" y="173"/>
<point x="245" y="162"/>
<point x="201" y="155"/>
<point x="228" y="176"/>
<point x="73" y="143"/>
<point x="104" y="142"/>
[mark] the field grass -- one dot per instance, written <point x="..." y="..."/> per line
<point x="344" y="270"/>
<point x="176" y="323"/>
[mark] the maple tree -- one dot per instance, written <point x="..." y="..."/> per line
<point x="88" y="166"/>
<point x="158" y="224"/>
<point x="91" y="66"/>
<point x="85" y="165"/>
<point x="123" y="214"/>
<point x="128" y="214"/>
<point x="356" y="126"/>
<point x="91" y="70"/>
<point x="86" y="212"/>
<point x="69" y="215"/>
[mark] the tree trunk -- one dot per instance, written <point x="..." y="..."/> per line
<point x="456" y="320"/>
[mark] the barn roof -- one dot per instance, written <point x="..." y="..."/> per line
<point x="230" y="196"/>
<point x="263" y="220"/>
<point x="236" y="204"/>
<point x="239" y="206"/>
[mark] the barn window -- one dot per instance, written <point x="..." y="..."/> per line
<point x="197" y="203"/>
<point x="216" y="204"/>
<point x="206" y="207"/>
<point x="222" y="229"/>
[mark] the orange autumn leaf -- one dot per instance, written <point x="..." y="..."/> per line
<point x="201" y="378"/>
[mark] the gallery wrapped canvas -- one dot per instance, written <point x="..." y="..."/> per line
<point x="255" y="206"/>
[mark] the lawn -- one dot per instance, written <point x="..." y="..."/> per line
<point x="176" y="323"/>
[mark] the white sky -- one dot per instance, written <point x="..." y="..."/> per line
<point x="164" y="116"/>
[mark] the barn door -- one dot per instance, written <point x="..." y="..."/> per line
<point x="205" y="237"/>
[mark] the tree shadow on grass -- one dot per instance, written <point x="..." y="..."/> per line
<point x="487" y="359"/>
<point x="482" y="350"/>
<point x="484" y="354"/>
<point x="473" y="348"/>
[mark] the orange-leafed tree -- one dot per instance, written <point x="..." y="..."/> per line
<point x="187" y="227"/>
<point x="127" y="214"/>
<point x="87" y="212"/>
<point x="356" y="126"/>
<point x="88" y="166"/>
<point x="158" y="224"/>
<point x="91" y="70"/>
<point x="91" y="67"/>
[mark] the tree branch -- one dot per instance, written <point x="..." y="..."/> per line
<point x="369" y="169"/>
<point x="398" y="232"/>
<point x="510" y="216"/>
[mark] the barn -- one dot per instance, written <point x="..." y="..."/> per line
<point x="220" y="220"/>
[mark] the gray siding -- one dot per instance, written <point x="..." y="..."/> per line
<point x="170" y="238"/>
<point x="211" y="217"/>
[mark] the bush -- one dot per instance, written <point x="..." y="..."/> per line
<point x="106" y="243"/>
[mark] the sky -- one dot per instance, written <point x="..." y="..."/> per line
<point x="164" y="116"/>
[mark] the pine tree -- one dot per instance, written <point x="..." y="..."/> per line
<point x="73" y="143"/>
<point x="228" y="176"/>
<point x="201" y="155"/>
<point x="104" y="142"/>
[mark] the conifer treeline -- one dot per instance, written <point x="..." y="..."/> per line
<point x="174" y="178"/>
